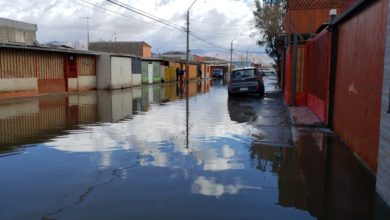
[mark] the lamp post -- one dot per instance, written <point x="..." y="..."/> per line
<point x="231" y="49"/>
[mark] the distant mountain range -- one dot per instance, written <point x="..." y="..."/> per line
<point x="256" y="57"/>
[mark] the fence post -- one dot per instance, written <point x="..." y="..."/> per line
<point x="332" y="74"/>
<point x="294" y="69"/>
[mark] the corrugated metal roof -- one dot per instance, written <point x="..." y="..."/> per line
<point x="313" y="4"/>
<point x="46" y="48"/>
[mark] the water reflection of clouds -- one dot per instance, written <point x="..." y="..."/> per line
<point x="209" y="187"/>
<point x="147" y="135"/>
<point x="217" y="159"/>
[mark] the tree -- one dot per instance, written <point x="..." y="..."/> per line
<point x="269" y="20"/>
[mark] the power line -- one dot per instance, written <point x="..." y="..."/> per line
<point x="116" y="13"/>
<point x="152" y="17"/>
<point x="165" y="22"/>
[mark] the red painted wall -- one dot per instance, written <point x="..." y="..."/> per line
<point x="359" y="76"/>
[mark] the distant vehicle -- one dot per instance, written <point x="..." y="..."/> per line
<point x="218" y="73"/>
<point x="246" y="80"/>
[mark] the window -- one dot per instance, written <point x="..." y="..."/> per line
<point x="136" y="65"/>
<point x="243" y="73"/>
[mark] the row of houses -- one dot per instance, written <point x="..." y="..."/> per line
<point x="29" y="68"/>
<point x="46" y="69"/>
<point x="337" y="65"/>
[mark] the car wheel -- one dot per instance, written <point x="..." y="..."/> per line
<point x="261" y="91"/>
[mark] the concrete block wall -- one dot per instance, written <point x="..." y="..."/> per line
<point x="383" y="172"/>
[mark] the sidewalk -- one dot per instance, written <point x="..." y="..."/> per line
<point x="303" y="116"/>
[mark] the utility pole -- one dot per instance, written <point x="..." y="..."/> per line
<point x="188" y="42"/>
<point x="87" y="18"/>
<point x="246" y="60"/>
<point x="188" y="46"/>
<point x="231" y="57"/>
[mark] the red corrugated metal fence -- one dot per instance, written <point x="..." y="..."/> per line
<point x="318" y="52"/>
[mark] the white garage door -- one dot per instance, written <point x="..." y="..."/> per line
<point x="120" y="72"/>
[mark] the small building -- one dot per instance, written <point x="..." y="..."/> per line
<point x="117" y="71"/>
<point x="12" y="31"/>
<point x="152" y="70"/>
<point x="137" y="48"/>
<point x="170" y="70"/>
<point x="41" y="69"/>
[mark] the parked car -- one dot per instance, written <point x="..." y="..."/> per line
<point x="246" y="80"/>
<point x="218" y="73"/>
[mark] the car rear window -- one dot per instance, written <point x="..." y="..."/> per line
<point x="243" y="73"/>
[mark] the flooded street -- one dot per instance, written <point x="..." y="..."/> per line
<point x="145" y="153"/>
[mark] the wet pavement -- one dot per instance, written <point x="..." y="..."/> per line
<point x="147" y="153"/>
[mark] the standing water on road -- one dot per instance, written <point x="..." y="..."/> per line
<point x="147" y="153"/>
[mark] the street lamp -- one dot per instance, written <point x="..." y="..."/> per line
<point x="231" y="54"/>
<point x="231" y="49"/>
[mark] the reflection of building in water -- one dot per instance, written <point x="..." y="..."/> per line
<point x="321" y="176"/>
<point x="39" y="119"/>
<point x="137" y="100"/>
<point x="114" y="105"/>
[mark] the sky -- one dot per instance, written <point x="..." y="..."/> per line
<point x="219" y="22"/>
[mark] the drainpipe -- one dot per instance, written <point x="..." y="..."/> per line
<point x="333" y="61"/>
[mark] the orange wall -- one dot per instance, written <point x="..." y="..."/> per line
<point x="146" y="51"/>
<point x="359" y="76"/>
<point x="306" y="20"/>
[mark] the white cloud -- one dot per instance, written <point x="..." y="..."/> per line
<point x="217" y="21"/>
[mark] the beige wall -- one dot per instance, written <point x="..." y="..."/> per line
<point x="87" y="82"/>
<point x="18" y="84"/>
<point x="136" y="79"/>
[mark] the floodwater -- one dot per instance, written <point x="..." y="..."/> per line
<point x="149" y="153"/>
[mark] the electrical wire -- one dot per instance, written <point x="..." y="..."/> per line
<point x="152" y="17"/>
<point x="165" y="22"/>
